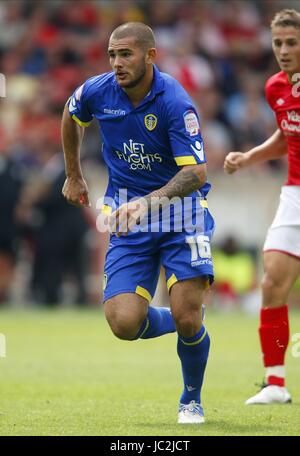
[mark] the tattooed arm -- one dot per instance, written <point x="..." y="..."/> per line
<point x="186" y="181"/>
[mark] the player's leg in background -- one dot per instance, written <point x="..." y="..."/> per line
<point x="186" y="298"/>
<point x="280" y="273"/>
<point x="130" y="317"/>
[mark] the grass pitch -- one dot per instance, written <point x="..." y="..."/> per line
<point x="65" y="374"/>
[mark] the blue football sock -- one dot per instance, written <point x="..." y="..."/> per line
<point x="193" y="353"/>
<point x="159" y="321"/>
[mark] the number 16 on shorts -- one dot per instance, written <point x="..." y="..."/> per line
<point x="200" y="247"/>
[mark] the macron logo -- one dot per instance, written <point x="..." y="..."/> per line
<point x="115" y="112"/>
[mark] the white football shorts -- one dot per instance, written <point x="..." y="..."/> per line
<point x="284" y="233"/>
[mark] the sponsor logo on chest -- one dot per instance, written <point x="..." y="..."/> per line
<point x="291" y="124"/>
<point x="135" y="155"/>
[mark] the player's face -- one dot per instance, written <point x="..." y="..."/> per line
<point x="128" y="62"/>
<point x="286" y="47"/>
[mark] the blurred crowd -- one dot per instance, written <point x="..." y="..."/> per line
<point x="219" y="50"/>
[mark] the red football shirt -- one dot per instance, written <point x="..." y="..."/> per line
<point x="287" y="110"/>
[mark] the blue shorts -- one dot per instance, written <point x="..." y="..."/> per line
<point x="133" y="262"/>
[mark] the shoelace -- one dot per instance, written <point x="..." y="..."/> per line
<point x="261" y="385"/>
<point x="193" y="407"/>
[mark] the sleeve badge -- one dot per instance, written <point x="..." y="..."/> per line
<point x="191" y="123"/>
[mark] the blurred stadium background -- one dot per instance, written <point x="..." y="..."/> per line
<point x="50" y="252"/>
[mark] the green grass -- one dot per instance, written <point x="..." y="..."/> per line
<point x="65" y="374"/>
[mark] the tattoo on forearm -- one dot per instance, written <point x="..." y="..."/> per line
<point x="182" y="184"/>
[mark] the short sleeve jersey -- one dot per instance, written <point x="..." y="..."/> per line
<point x="284" y="99"/>
<point x="143" y="146"/>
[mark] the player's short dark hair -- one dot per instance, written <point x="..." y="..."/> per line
<point x="286" y="18"/>
<point x="142" y="33"/>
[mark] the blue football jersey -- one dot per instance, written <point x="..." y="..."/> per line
<point x="143" y="146"/>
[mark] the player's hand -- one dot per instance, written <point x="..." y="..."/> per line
<point x="76" y="191"/>
<point x="234" y="161"/>
<point x="127" y="216"/>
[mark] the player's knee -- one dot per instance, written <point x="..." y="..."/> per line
<point x="270" y="284"/>
<point x="123" y="326"/>
<point x="123" y="332"/>
<point x="274" y="290"/>
<point x="187" y="324"/>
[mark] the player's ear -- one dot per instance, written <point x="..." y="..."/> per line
<point x="151" y="55"/>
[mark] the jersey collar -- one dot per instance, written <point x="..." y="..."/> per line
<point x="158" y="84"/>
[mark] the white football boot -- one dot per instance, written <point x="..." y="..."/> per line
<point x="191" y="413"/>
<point x="270" y="394"/>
